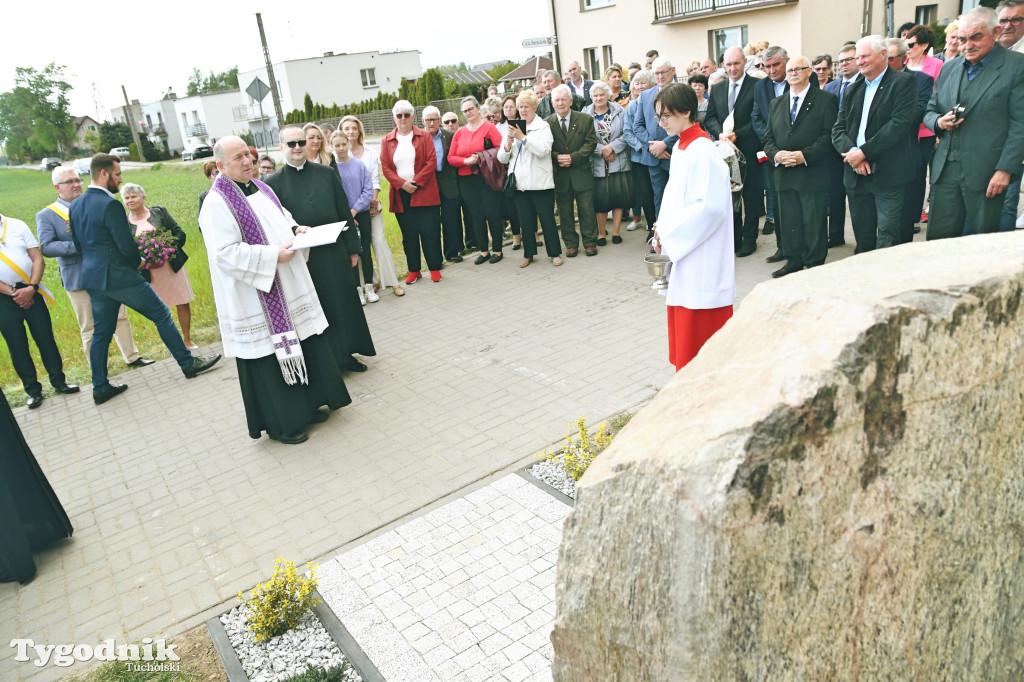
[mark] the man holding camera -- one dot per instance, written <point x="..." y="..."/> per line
<point x="975" y="112"/>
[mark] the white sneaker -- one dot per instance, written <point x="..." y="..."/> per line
<point x="371" y="296"/>
<point x="632" y="226"/>
<point x="362" y="296"/>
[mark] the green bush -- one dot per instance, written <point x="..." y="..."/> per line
<point x="580" y="451"/>
<point x="338" y="673"/>
<point x="277" y="605"/>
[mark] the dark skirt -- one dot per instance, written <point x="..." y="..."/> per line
<point x="31" y="516"/>
<point x="273" y="406"/>
<point x="331" y="272"/>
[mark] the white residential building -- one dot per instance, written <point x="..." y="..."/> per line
<point x="597" y="33"/>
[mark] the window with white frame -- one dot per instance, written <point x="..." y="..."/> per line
<point x="369" y="78"/>
<point x="606" y="54"/>
<point x="926" y="14"/>
<point x="590" y="62"/>
<point x="595" y="4"/>
<point x="722" y="38"/>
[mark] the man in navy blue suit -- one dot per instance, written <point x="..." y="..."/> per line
<point x="110" y="273"/>
<point x="655" y="145"/>
<point x="848" y="73"/>
<point x="775" y="59"/>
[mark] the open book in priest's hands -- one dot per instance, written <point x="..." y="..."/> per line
<point x="318" y="236"/>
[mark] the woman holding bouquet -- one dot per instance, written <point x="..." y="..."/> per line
<point x="168" y="276"/>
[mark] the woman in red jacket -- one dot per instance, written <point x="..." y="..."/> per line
<point x="409" y="163"/>
<point x="484" y="203"/>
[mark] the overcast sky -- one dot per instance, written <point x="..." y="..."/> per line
<point x="155" y="45"/>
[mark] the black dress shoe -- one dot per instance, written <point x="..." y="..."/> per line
<point x="201" y="364"/>
<point x="456" y="258"/>
<point x="776" y="257"/>
<point x="481" y="259"/>
<point x="318" y="417"/>
<point x="291" y="438"/>
<point x="66" y="389"/>
<point x="102" y="395"/>
<point x="34" y="401"/>
<point x="592" y="250"/>
<point x="516" y="247"/>
<point x="495" y="257"/>
<point x="838" y="242"/>
<point x="354" y="365"/>
<point x="601" y="241"/>
<point x="616" y="239"/>
<point x="769" y="227"/>
<point x="540" y="243"/>
<point x="787" y="269"/>
<point x="140" y="362"/>
<point x="747" y="249"/>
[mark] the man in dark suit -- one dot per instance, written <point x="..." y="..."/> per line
<point x="798" y="142"/>
<point x="848" y="73"/>
<point x="981" y="147"/>
<point x="655" y="144"/>
<point x="447" y="185"/>
<point x="574" y="143"/>
<point x="775" y="59"/>
<point x="736" y="96"/>
<point x="312" y="193"/>
<point x="873" y="135"/>
<point x="111" y="267"/>
<point x="913" y="197"/>
<point x="577" y="83"/>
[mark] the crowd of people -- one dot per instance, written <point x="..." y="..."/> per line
<point x="644" y="146"/>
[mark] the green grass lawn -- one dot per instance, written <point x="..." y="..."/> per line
<point x="175" y="186"/>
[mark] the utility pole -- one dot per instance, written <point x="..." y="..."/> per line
<point x="270" y="73"/>
<point x="131" y="124"/>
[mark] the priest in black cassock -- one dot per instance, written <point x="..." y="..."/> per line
<point x="313" y="194"/>
<point x="31" y="516"/>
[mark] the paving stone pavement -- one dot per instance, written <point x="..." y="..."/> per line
<point x="175" y="509"/>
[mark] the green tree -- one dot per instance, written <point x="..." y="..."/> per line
<point x="497" y="72"/>
<point x="307" y="105"/>
<point x="115" y="135"/>
<point x="195" y="83"/>
<point x="35" y="114"/>
<point x="225" y="80"/>
<point x="433" y="82"/>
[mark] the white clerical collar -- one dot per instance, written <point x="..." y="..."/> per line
<point x="298" y="168"/>
<point x="102" y="189"/>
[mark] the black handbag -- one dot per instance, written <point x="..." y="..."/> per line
<point x="510" y="187"/>
<point x="614" y="190"/>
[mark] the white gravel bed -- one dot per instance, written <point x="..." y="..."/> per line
<point x="307" y="644"/>
<point x="551" y="472"/>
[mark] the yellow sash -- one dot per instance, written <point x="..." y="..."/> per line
<point x="57" y="208"/>
<point x="47" y="296"/>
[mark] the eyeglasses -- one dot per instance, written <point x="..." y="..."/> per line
<point x="973" y="37"/>
<point x="73" y="181"/>
<point x="403" y="115"/>
<point x="665" y="116"/>
<point x="266" y="168"/>
<point x="911" y="44"/>
<point x="822" y="69"/>
<point x="292" y="144"/>
<point x="758" y="66"/>
<point x="846" y="60"/>
<point x="1016" y="21"/>
<point x="432" y="119"/>
<point x="795" y="70"/>
<point x="450" y="121"/>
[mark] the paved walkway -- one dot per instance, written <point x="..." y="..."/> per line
<point x="176" y="509"/>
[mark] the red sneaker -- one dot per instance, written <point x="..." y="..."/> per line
<point x="435" y="275"/>
<point x="924" y="217"/>
<point x="412" y="277"/>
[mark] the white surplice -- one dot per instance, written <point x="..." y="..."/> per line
<point x="238" y="270"/>
<point x="695" y="228"/>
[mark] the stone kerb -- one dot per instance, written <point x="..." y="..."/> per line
<point x="831" y="490"/>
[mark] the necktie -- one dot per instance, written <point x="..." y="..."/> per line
<point x="842" y="90"/>
<point x="732" y="95"/>
<point x="792" y="112"/>
<point x="972" y="70"/>
<point x="565" y="126"/>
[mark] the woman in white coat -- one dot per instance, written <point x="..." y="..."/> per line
<point x="528" y="156"/>
<point x="694" y="229"/>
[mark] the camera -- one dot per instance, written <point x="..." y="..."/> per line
<point x="958" y="111"/>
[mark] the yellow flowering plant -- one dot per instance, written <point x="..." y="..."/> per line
<point x="277" y="605"/>
<point x="580" y="449"/>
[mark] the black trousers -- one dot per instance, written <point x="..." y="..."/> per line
<point x="362" y="220"/>
<point x="913" y="198"/>
<point x="531" y="206"/>
<point x="798" y="217"/>
<point x="420" y="224"/>
<point x="645" y="191"/>
<point x="509" y="211"/>
<point x="836" y="204"/>
<point x="451" y="227"/>
<point x="876" y="211"/>
<point x="953" y="203"/>
<point x="13" y="319"/>
<point x="753" y="201"/>
<point x="485" y="207"/>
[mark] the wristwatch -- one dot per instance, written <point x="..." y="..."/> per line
<point x="34" y="285"/>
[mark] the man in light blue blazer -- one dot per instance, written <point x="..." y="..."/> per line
<point x="53" y="228"/>
<point x="655" y="144"/>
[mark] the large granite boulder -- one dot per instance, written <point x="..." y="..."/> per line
<point x="833" y="489"/>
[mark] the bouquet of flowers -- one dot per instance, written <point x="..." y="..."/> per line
<point x="156" y="248"/>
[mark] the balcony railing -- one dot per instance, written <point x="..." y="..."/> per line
<point x="247" y="113"/>
<point x="679" y="10"/>
<point x="194" y="130"/>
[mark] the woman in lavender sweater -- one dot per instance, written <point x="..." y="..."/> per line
<point x="355" y="179"/>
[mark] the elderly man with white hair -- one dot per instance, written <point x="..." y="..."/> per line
<point x="872" y="134"/>
<point x="268" y="311"/>
<point x="55" y="242"/>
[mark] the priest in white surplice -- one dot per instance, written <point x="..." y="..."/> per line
<point x="270" y="317"/>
